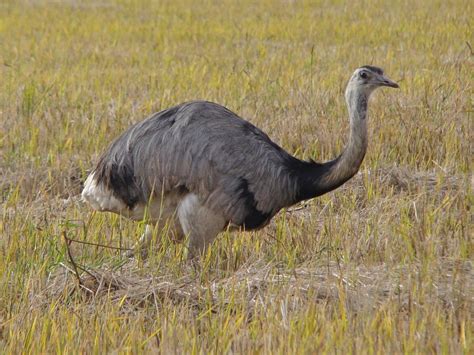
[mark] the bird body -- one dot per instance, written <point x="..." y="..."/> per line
<point x="202" y="168"/>
<point x="201" y="148"/>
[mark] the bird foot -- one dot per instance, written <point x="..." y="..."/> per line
<point x="138" y="251"/>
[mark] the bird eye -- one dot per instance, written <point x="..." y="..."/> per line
<point x="363" y="75"/>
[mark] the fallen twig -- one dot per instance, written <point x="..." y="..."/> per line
<point x="98" y="245"/>
<point x="71" y="259"/>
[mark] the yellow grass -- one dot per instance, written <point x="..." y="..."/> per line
<point x="382" y="264"/>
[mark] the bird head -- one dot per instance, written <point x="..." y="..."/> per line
<point x="367" y="78"/>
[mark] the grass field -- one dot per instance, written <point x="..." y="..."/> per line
<point x="381" y="265"/>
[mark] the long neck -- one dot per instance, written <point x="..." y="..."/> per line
<point x="317" y="179"/>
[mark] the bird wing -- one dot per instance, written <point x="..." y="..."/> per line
<point x="232" y="166"/>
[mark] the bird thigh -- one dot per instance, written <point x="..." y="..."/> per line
<point x="199" y="223"/>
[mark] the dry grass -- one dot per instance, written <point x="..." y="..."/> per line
<point x="382" y="265"/>
<point x="362" y="289"/>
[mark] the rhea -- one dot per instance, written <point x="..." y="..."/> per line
<point x="202" y="169"/>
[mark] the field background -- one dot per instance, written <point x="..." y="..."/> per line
<point x="383" y="264"/>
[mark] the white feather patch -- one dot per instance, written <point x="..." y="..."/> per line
<point x="100" y="197"/>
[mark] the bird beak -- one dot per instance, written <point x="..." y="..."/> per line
<point x="384" y="81"/>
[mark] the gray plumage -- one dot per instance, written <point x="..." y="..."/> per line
<point x="238" y="174"/>
<point x="202" y="147"/>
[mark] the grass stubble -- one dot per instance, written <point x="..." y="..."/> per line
<point x="383" y="264"/>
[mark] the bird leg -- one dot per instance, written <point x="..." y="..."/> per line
<point x="141" y="247"/>
<point x="175" y="233"/>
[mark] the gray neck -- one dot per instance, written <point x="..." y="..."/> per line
<point x="322" y="178"/>
<point x="350" y="160"/>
